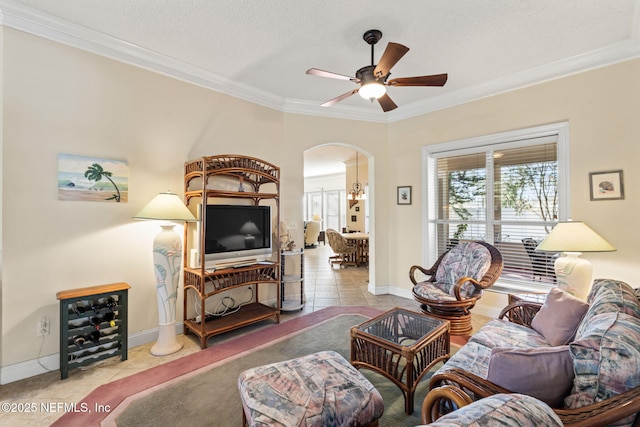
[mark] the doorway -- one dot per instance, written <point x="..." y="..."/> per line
<point x="329" y="175"/>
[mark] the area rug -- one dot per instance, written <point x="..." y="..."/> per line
<point x="200" y="389"/>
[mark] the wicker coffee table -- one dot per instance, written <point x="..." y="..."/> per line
<point x="402" y="345"/>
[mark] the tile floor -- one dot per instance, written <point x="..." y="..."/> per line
<point x="325" y="285"/>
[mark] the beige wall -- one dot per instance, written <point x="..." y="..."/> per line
<point x="58" y="99"/>
<point x="62" y="100"/>
<point x="601" y="107"/>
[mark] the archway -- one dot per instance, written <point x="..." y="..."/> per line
<point x="329" y="159"/>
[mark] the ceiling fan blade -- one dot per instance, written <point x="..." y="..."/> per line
<point x="434" y="80"/>
<point x="390" y="57"/>
<point x="337" y="99"/>
<point x="386" y="103"/>
<point x="322" y="73"/>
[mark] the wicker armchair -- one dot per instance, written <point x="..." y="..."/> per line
<point x="600" y="414"/>
<point x="452" y="389"/>
<point x="343" y="250"/>
<point x="456" y="282"/>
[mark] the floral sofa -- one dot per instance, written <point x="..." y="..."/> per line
<point x="580" y="359"/>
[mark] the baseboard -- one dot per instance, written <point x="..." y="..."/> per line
<point x="51" y="363"/>
<point x="390" y="290"/>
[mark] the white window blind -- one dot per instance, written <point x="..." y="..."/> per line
<point x="508" y="193"/>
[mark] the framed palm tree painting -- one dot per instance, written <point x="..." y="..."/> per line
<point x="92" y="179"/>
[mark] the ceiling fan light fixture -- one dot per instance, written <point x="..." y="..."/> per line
<point x="373" y="78"/>
<point x="372" y="90"/>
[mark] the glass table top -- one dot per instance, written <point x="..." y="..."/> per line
<point x="401" y="327"/>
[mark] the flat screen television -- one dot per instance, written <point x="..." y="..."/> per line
<point x="237" y="233"/>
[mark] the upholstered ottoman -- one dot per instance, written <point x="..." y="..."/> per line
<point x="320" y="389"/>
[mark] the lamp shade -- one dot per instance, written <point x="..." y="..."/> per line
<point x="166" y="206"/>
<point x="574" y="236"/>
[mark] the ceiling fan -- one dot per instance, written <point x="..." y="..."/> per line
<point x="373" y="78"/>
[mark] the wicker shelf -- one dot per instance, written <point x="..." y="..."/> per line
<point x="204" y="181"/>
<point x="246" y="315"/>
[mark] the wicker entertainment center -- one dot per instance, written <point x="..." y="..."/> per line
<point x="229" y="179"/>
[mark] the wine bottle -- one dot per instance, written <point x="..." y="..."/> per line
<point x="96" y="306"/>
<point x="78" y="340"/>
<point x="109" y="317"/>
<point x="95" y="321"/>
<point x="95" y="337"/>
<point x="110" y="303"/>
<point x="79" y="308"/>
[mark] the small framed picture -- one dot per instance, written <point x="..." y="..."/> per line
<point x="357" y="208"/>
<point x="606" y="185"/>
<point x="404" y="195"/>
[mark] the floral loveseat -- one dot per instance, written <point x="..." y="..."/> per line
<point x="582" y="360"/>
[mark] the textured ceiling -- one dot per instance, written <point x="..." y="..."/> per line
<point x="260" y="50"/>
<point x="265" y="47"/>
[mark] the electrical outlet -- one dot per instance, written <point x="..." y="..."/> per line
<point x="42" y="327"/>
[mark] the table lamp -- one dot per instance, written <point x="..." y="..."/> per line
<point x="167" y="258"/>
<point x="574" y="274"/>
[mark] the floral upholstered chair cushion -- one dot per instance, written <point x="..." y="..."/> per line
<point x="474" y="357"/>
<point x="605" y="359"/>
<point x="507" y="410"/>
<point x="467" y="259"/>
<point x="606" y="296"/>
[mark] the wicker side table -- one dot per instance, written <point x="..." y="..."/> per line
<point x="402" y="345"/>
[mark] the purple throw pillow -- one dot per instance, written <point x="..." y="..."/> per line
<point x="542" y="372"/>
<point x="559" y="317"/>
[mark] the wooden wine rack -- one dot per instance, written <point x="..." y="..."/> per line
<point x="74" y="323"/>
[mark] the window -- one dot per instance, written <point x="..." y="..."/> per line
<point x="335" y="209"/>
<point x="508" y="190"/>
<point x="330" y="205"/>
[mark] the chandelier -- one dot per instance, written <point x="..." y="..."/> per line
<point x="357" y="189"/>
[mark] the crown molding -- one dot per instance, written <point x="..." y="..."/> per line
<point x="301" y="106"/>
<point x="17" y="16"/>
<point x="20" y="17"/>
<point x="620" y="52"/>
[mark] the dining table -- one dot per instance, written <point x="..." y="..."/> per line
<point x="361" y="242"/>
